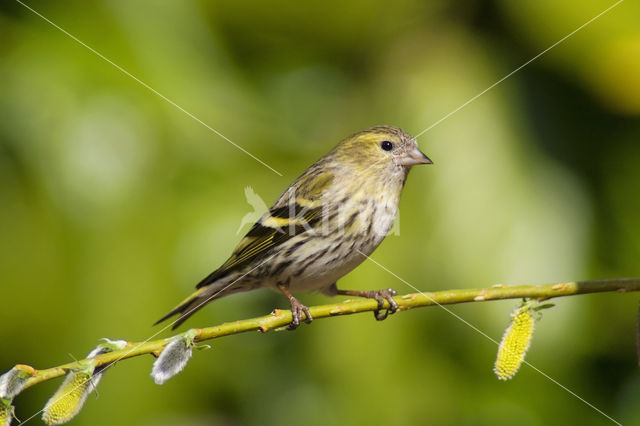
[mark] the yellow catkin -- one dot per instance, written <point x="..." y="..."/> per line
<point x="515" y="343"/>
<point x="6" y="413"/>
<point x="68" y="400"/>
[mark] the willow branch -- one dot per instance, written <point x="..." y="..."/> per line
<point x="281" y="318"/>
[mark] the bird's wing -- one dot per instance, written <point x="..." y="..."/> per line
<point x="281" y="223"/>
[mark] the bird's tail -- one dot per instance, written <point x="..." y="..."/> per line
<point x="189" y="306"/>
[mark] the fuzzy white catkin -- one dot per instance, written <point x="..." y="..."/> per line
<point x="172" y="360"/>
<point x="12" y="382"/>
<point x="108" y="346"/>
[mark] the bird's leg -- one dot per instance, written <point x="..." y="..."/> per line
<point x="297" y="308"/>
<point x="379" y="295"/>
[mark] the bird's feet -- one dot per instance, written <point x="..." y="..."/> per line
<point x="380" y="296"/>
<point x="297" y="309"/>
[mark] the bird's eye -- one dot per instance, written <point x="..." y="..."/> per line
<point x="386" y="145"/>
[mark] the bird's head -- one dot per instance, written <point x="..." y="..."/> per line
<point x="379" y="148"/>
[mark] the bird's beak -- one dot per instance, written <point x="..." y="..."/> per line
<point x="414" y="157"/>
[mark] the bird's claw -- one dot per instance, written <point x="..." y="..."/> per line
<point x="380" y="296"/>
<point x="297" y="309"/>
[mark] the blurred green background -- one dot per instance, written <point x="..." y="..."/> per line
<point x="115" y="203"/>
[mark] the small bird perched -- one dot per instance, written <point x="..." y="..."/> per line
<point x="323" y="226"/>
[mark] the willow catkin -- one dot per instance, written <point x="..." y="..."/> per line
<point x="172" y="359"/>
<point x="13" y="381"/>
<point x="6" y="412"/>
<point x="66" y="403"/>
<point x="68" y="399"/>
<point x="515" y="343"/>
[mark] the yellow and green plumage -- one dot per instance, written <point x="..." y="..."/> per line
<point x="320" y="228"/>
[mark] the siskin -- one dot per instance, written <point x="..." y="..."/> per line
<point x="322" y="227"/>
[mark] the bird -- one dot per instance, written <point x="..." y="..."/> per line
<point x="325" y="224"/>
